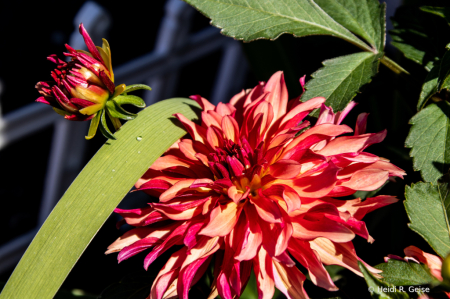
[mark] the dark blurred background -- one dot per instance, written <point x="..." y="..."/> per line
<point x="171" y="47"/>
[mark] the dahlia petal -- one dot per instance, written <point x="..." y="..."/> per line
<point x="212" y="138"/>
<point x="329" y="130"/>
<point x="342" y="114"/>
<point x="222" y="220"/>
<point x="161" y="284"/>
<point x="236" y="166"/>
<point x="361" y="124"/>
<point x="286" y="193"/>
<point x="341" y="254"/>
<point x="359" y="210"/>
<point x="344" y="160"/>
<point x="285" y="259"/>
<point x="265" y="109"/>
<point x="367" y="180"/>
<point x="224" y="287"/>
<point x="432" y="261"/>
<point x="137" y="234"/>
<point x="278" y="94"/>
<point x="381" y="165"/>
<point x="137" y="247"/>
<point x="197" y="132"/>
<point x="90" y="44"/>
<point x="204" y="103"/>
<point x="289" y="280"/>
<point x="253" y="242"/>
<point x="175" y="238"/>
<point x="327" y="228"/>
<point x="208" y="120"/>
<point x="187" y="274"/>
<point x="326" y="115"/>
<point x="182" y="205"/>
<point x="266" y="208"/>
<point x="225" y="109"/>
<point x="174" y="213"/>
<point x="235" y="194"/>
<point x="238" y="101"/>
<point x="303" y="253"/>
<point x="303" y="107"/>
<point x="107" y="81"/>
<point x="80" y="103"/>
<point x="285" y="169"/>
<point x="276" y="245"/>
<point x="141" y="217"/>
<point x="318" y="185"/>
<point x="348" y="144"/>
<point x="262" y="266"/>
<point x="155" y="187"/>
<point x="176" y="189"/>
<point x="230" y="129"/>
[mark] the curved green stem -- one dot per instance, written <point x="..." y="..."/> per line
<point x="393" y="66"/>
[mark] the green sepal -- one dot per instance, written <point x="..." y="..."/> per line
<point x="93" y="126"/>
<point x="115" y="121"/>
<point x="104" y="127"/>
<point x="116" y="111"/>
<point x="134" y="87"/>
<point x="130" y="100"/>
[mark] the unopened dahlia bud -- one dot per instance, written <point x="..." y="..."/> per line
<point x="83" y="86"/>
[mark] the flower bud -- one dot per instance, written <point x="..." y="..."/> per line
<point x="81" y="86"/>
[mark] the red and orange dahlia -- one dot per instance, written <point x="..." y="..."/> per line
<point x="256" y="188"/>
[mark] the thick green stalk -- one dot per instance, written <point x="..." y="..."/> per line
<point x="91" y="198"/>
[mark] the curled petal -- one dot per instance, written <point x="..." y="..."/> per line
<point x="222" y="220"/>
<point x="289" y="280"/>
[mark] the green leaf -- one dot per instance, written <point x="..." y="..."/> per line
<point x="91" y="198"/>
<point x="420" y="36"/>
<point x="430" y="87"/>
<point x="428" y="208"/>
<point x="443" y="12"/>
<point x="134" y="87"/>
<point x="429" y="139"/>
<point x="365" y="18"/>
<point x="341" y="78"/>
<point x="254" y="19"/>
<point x="401" y="273"/>
<point x="378" y="289"/>
<point x="130" y="99"/>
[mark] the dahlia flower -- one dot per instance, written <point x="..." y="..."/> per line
<point x="83" y="86"/>
<point x="255" y="187"/>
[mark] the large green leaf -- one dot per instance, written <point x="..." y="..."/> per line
<point x="341" y="78"/>
<point x="429" y="139"/>
<point x="401" y="273"/>
<point x="430" y="86"/>
<point x="443" y="12"/>
<point x="379" y="289"/>
<point x="365" y="18"/>
<point x="254" y="19"/>
<point x="420" y="36"/>
<point x="92" y="197"/>
<point x="428" y="208"/>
